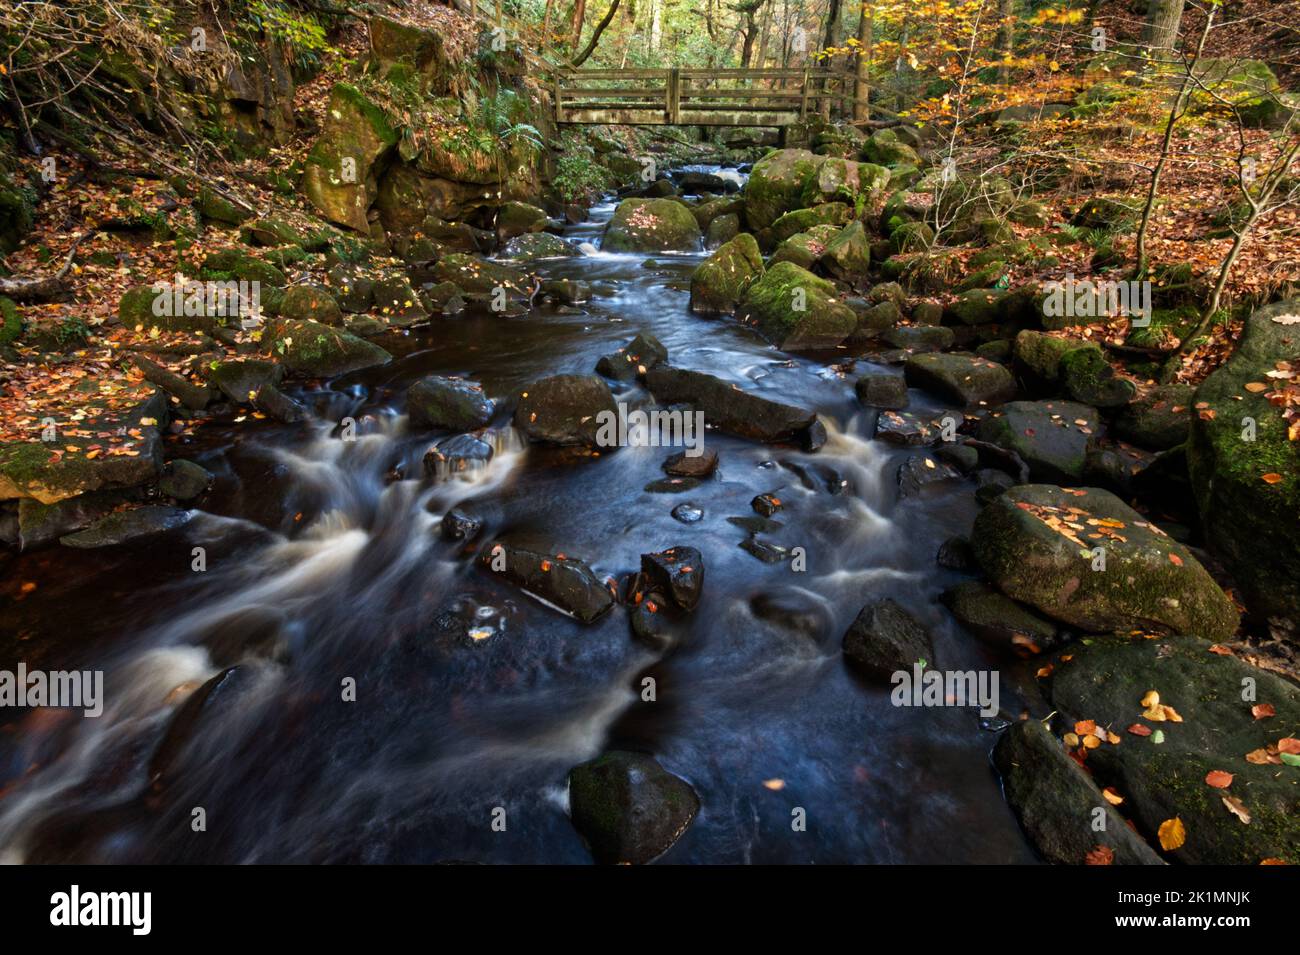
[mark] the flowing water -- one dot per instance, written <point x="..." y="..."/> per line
<point x="325" y="565"/>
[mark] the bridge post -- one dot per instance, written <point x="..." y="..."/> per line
<point x="803" y="103"/>
<point x="559" y="109"/>
<point x="674" y="96"/>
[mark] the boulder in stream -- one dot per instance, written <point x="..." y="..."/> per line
<point x="728" y="408"/>
<point x="629" y="808"/>
<point x="448" y="404"/>
<point x="721" y="280"/>
<point x="651" y="225"/>
<point x="565" y="583"/>
<point x="796" y="310"/>
<point x="566" y="410"/>
<point x="885" y="639"/>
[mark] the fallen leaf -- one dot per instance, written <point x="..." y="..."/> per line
<point x="1172" y="834"/>
<point x="1262" y="711"/>
<point x="1102" y="855"/>
<point x="1218" y="779"/>
<point x="1237" y="808"/>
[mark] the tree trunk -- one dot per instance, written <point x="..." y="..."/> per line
<point x="579" y="16"/>
<point x="1006" y="36"/>
<point x="546" y="25"/>
<point x="1163" y="20"/>
<point x="830" y="38"/>
<point x="862" y="85"/>
<point x="595" y="35"/>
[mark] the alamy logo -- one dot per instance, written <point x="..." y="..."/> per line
<point x="75" y="689"/>
<point x="192" y="298"/>
<point x="1071" y="298"/>
<point x="652" y="429"/>
<point x="922" y="686"/>
<point x="134" y="909"/>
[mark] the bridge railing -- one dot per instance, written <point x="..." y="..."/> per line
<point x="694" y="96"/>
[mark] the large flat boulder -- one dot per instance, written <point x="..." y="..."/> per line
<point x="1051" y="437"/>
<point x="565" y="410"/>
<point x="565" y="583"/>
<point x="728" y="408"/>
<point x="320" y="351"/>
<point x="964" y="379"/>
<point x="1084" y="557"/>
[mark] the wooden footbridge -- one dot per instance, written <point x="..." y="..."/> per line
<point x="678" y="97"/>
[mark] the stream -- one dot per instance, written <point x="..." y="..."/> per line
<point x="324" y="563"/>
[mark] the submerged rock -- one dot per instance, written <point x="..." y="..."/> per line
<point x="1038" y="544"/>
<point x="628" y="808"/>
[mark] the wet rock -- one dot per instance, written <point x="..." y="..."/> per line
<point x="1106" y="680"/>
<point x="651" y="225"/>
<point x="955" y="554"/>
<point x="1159" y="420"/>
<point x="765" y="551"/>
<point x="1251" y="519"/>
<point x="734" y="411"/>
<point x="477" y="276"/>
<point x="448" y="404"/>
<point x="652" y="624"/>
<point x="796" y="310"/>
<point x="628" y="808"/>
<point x="567" y="291"/>
<point x="635" y="358"/>
<point x="920" y="471"/>
<point x="455" y="455"/>
<point x="398" y="302"/>
<point x="688" y="513"/>
<point x="123" y="526"/>
<point x="964" y="379"/>
<point x="919" y="339"/>
<point x="566" y="410"/>
<point x="184" y="480"/>
<point x="766" y="504"/>
<point x="999" y="621"/>
<point x="722" y="230"/>
<point x="203" y="709"/>
<point x="753" y="524"/>
<point x="319" y="351"/>
<point x="682" y="464"/>
<point x="905" y="429"/>
<point x="677" y="572"/>
<point x="39" y="524"/>
<point x="1035" y="542"/>
<point x="240" y="380"/>
<point x="885" y="639"/>
<point x="693" y="183"/>
<point x="961" y="456"/>
<point x="563" y="582"/>
<point x="721" y="280"/>
<point x="457" y="525"/>
<point x="310" y="303"/>
<point x="274" y="403"/>
<point x="1056" y="801"/>
<point x="1051" y="437"/>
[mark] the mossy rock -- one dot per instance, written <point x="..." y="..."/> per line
<point x="232" y="264"/>
<point x="628" y="808"/>
<point x="805" y="248"/>
<point x="1056" y="801"/>
<point x="706" y="212"/>
<point x="217" y="208"/>
<point x="651" y="225"/>
<point x="397" y="301"/>
<point x="538" y="245"/>
<point x="519" y="218"/>
<point x="448" y="404"/>
<point x="885" y="148"/>
<point x="1089" y="378"/>
<point x="847" y="256"/>
<point x="1102" y="212"/>
<point x="340" y="176"/>
<point x="270" y="232"/>
<point x="240" y="380"/>
<point x="1038" y="356"/>
<point x="17" y="213"/>
<point x="977" y="306"/>
<point x="796" y="310"/>
<point x="1026" y="542"/>
<point x="1159" y="420"/>
<point x="1106" y="679"/>
<point x="11" y="322"/>
<point x="319" y="351"/>
<point x="721" y="281"/>
<point x="912" y="237"/>
<point x="803" y="220"/>
<point x="722" y="230"/>
<point x="312" y="303"/>
<point x="776" y="185"/>
<point x="147" y="306"/>
<point x="841" y="180"/>
<point x="478" y="276"/>
<point x="1250" y="521"/>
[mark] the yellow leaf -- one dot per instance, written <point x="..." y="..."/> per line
<point x="1172" y="834"/>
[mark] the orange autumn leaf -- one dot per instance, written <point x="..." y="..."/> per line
<point x="1262" y="711"/>
<point x="1272" y="477"/>
<point x="1137" y="729"/>
<point x="1112" y="796"/>
<point x="1218" y="779"/>
<point x="1289" y="745"/>
<point x="1086" y="727"/>
<point x="1102" y="855"/>
<point x="1172" y="834"/>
